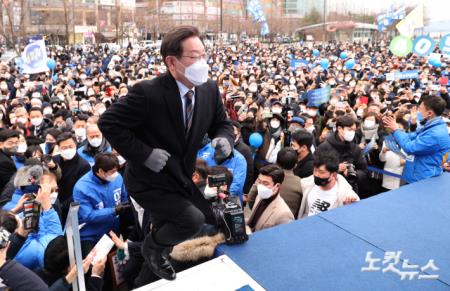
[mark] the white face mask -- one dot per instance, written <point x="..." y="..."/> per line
<point x="80" y="132"/>
<point x="22" y="120"/>
<point x="277" y="110"/>
<point x="360" y="112"/>
<point x="36" y="121"/>
<point x="369" y="123"/>
<point x="68" y="154"/>
<point x="275" y="123"/>
<point x="53" y="197"/>
<point x="121" y="159"/>
<point x="112" y="178"/>
<point x="197" y="73"/>
<point x="3" y="87"/>
<point x="210" y="192"/>
<point x="309" y="129"/>
<point x="95" y="142"/>
<point x="349" y="135"/>
<point x="264" y="192"/>
<point x="48" y="111"/>
<point x="22" y="147"/>
<point x="312" y="113"/>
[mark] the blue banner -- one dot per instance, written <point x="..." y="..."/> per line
<point x="34" y="58"/>
<point x="318" y="96"/>
<point x="298" y="63"/>
<point x="410" y="74"/>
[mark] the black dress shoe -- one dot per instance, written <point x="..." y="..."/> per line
<point x="158" y="262"/>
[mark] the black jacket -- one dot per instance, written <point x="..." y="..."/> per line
<point x="245" y="150"/>
<point x="7" y="169"/>
<point x="347" y="152"/>
<point x="151" y="116"/>
<point x="305" y="167"/>
<point x="71" y="171"/>
<point x="18" y="277"/>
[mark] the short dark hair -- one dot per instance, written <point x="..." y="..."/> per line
<point x="273" y="171"/>
<point x="345" y="121"/>
<point x="53" y="132"/>
<point x="201" y="167"/>
<point x="8" y="221"/>
<point x="434" y="103"/>
<point x="330" y="161"/>
<point x="56" y="256"/>
<point x="287" y="158"/>
<point x="6" y="134"/>
<point x="32" y="149"/>
<point x="65" y="136"/>
<point x="106" y="162"/>
<point x="217" y="170"/>
<point x="35" y="109"/>
<point x="171" y="44"/>
<point x="303" y="138"/>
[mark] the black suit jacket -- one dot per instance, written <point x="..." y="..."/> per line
<point x="151" y="116"/>
<point x="7" y="169"/>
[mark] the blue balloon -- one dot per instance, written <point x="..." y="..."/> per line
<point x="316" y="52"/>
<point x="51" y="64"/>
<point x="55" y="78"/>
<point x="343" y="55"/>
<point x="435" y="62"/>
<point x="349" y="64"/>
<point x="256" y="140"/>
<point x="72" y="83"/>
<point x="324" y="63"/>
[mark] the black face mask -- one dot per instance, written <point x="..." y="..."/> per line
<point x="322" y="182"/>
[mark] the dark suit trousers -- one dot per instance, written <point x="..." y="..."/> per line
<point x="174" y="217"/>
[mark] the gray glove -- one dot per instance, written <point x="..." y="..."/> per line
<point x="222" y="148"/>
<point x="157" y="160"/>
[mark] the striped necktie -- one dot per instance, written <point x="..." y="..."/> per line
<point x="188" y="110"/>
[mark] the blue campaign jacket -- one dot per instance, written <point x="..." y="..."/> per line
<point x="236" y="164"/>
<point x="88" y="158"/>
<point x="428" y="144"/>
<point x="31" y="254"/>
<point x="98" y="200"/>
<point x="14" y="200"/>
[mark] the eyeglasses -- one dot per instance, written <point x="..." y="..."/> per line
<point x="197" y="58"/>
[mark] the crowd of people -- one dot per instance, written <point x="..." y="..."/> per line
<point x="291" y="158"/>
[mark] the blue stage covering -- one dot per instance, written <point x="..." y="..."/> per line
<point x="327" y="251"/>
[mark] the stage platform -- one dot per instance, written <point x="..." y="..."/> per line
<point x="328" y="251"/>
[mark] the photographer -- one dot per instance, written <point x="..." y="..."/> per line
<point x="35" y="240"/>
<point x="341" y="144"/>
<point x="102" y="197"/>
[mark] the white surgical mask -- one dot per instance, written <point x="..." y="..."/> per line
<point x="53" y="197"/>
<point x="36" y="121"/>
<point x="22" y="147"/>
<point x="264" y="192"/>
<point x="197" y="73"/>
<point x="309" y="129"/>
<point x="349" y="135"/>
<point x="277" y="110"/>
<point x="369" y="123"/>
<point x="80" y="132"/>
<point x="68" y="154"/>
<point x="112" y="178"/>
<point x="95" y="142"/>
<point x="22" y="120"/>
<point x="275" y="123"/>
<point x="48" y="111"/>
<point x="311" y="113"/>
<point x="101" y="111"/>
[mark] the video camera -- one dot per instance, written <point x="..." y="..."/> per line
<point x="228" y="212"/>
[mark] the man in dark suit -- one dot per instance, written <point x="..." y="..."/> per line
<point x="9" y="141"/>
<point x="158" y="128"/>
